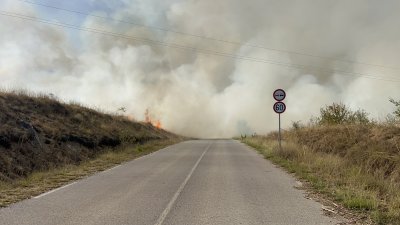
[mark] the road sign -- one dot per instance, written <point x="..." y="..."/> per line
<point x="279" y="107"/>
<point x="279" y="95"/>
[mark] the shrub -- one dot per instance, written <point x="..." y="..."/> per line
<point x="397" y="104"/>
<point x="360" y="116"/>
<point x="339" y="113"/>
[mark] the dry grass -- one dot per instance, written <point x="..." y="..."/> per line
<point x="358" y="166"/>
<point x="39" y="133"/>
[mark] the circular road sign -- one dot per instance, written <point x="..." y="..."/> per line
<point x="279" y="95"/>
<point x="279" y="107"/>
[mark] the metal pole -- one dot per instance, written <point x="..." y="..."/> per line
<point x="280" y="145"/>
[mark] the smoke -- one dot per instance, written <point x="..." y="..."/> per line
<point x="206" y="95"/>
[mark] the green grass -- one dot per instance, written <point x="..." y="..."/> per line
<point x="337" y="178"/>
<point x="40" y="182"/>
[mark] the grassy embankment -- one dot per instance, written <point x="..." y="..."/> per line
<point x="45" y="144"/>
<point x="356" y="164"/>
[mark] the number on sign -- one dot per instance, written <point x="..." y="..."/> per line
<point x="279" y="107"/>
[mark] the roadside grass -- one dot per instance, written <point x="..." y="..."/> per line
<point x="43" y="181"/>
<point x="357" y="178"/>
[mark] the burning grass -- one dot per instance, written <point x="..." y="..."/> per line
<point x="40" y="135"/>
<point x="356" y="165"/>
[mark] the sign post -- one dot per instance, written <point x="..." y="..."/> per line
<point x="279" y="107"/>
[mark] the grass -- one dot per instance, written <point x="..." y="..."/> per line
<point x="356" y="166"/>
<point x="41" y="181"/>
<point x="38" y="133"/>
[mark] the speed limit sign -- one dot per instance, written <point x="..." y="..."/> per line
<point x="279" y="107"/>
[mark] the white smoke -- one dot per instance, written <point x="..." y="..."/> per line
<point x="205" y="95"/>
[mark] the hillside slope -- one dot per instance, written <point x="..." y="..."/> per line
<point x="39" y="133"/>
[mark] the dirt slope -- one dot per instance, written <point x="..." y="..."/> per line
<point x="39" y="133"/>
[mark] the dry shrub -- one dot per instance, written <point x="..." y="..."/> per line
<point x="374" y="147"/>
<point x="289" y="151"/>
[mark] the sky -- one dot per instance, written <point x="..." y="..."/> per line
<point x="205" y="68"/>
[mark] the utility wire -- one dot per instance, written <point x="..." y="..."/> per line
<point x="191" y="49"/>
<point x="212" y="38"/>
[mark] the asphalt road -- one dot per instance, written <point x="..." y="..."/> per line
<point x="219" y="182"/>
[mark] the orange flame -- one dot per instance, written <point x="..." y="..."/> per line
<point x="158" y="124"/>
<point x="148" y="119"/>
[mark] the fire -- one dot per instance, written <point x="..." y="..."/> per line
<point x="158" y="124"/>
<point x="148" y="119"/>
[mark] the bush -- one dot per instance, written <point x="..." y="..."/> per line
<point x="339" y="113"/>
<point x="397" y="104"/>
<point x="359" y="116"/>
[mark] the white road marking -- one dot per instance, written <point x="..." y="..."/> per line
<point x="180" y="189"/>
<point x="49" y="192"/>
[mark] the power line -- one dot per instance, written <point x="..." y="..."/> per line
<point x="192" y="49"/>
<point x="212" y="38"/>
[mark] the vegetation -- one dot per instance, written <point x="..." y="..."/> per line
<point x="338" y="113"/>
<point x="397" y="104"/>
<point x="345" y="157"/>
<point x="45" y="143"/>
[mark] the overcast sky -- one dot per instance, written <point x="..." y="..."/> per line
<point x="214" y="74"/>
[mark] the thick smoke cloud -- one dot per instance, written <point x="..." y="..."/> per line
<point x="206" y="95"/>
